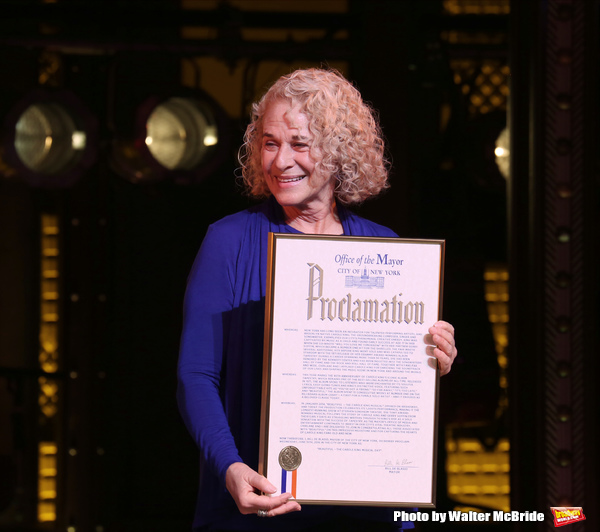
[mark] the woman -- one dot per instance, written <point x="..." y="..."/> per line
<point x="312" y="147"/>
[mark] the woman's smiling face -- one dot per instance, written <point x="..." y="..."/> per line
<point x="288" y="160"/>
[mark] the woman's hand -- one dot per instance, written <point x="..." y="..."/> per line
<point x="441" y="345"/>
<point x="242" y="483"/>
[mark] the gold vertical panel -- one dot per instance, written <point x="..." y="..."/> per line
<point x="48" y="356"/>
<point x="478" y="476"/>
<point x="47" y="473"/>
<point x="496" y="296"/>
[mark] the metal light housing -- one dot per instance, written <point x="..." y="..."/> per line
<point x="177" y="137"/>
<point x="49" y="139"/>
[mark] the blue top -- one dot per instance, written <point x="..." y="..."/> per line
<point x="220" y="362"/>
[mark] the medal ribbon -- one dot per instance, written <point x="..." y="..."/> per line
<point x="294" y="476"/>
<point x="284" y="481"/>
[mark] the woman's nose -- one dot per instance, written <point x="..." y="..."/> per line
<point x="284" y="158"/>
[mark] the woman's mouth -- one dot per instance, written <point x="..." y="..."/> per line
<point x="289" y="179"/>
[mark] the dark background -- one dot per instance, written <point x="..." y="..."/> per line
<point x="126" y="247"/>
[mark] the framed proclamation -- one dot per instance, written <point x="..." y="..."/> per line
<point x="350" y="394"/>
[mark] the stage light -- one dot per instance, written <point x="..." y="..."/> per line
<point x="48" y="139"/>
<point x="180" y="137"/>
<point x="502" y="152"/>
<point x="180" y="133"/>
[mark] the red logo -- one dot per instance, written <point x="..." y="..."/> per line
<point x="567" y="515"/>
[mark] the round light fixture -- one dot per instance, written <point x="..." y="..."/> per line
<point x="178" y="137"/>
<point x="48" y="139"/>
<point x="180" y="133"/>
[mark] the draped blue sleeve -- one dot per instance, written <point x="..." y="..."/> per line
<point x="208" y="306"/>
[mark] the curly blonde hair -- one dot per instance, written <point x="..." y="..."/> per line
<point x="344" y="128"/>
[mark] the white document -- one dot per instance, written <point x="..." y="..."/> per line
<point x="349" y="409"/>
